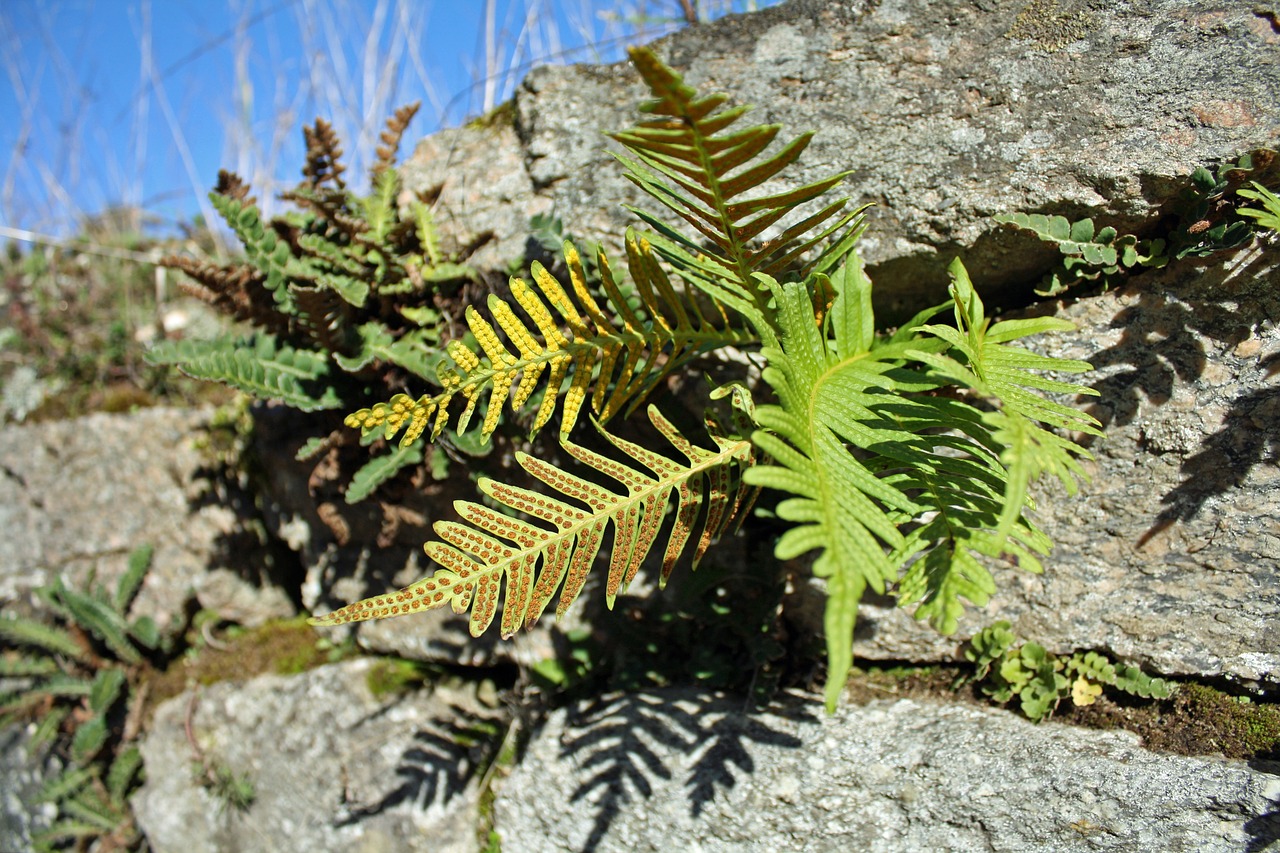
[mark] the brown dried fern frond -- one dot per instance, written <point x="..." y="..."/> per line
<point x="324" y="156"/>
<point x="233" y="186"/>
<point x="391" y="137"/>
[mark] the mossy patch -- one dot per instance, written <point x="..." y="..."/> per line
<point x="1196" y="720"/>
<point x="1052" y="25"/>
<point x="279" y="647"/>
<point x="503" y="114"/>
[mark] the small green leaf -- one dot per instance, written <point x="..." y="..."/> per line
<point x="88" y="739"/>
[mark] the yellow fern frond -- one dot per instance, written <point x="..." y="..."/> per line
<point x="555" y="552"/>
<point x="624" y="354"/>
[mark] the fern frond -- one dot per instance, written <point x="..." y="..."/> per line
<point x="324" y="156"/>
<point x="840" y="508"/>
<point x="262" y="247"/>
<point x="535" y="561"/>
<point x="689" y="161"/>
<point x="390" y="138"/>
<point x="256" y="365"/>
<point x="1011" y="375"/>
<point x="625" y="352"/>
<point x="379" y="469"/>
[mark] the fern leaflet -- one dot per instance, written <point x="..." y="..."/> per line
<point x="535" y="561"/>
<point x="257" y="365"/>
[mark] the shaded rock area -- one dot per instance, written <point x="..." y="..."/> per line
<point x="332" y="766"/>
<point x="1170" y="556"/>
<point x="634" y="773"/>
<point x="945" y="113"/>
<point x="22" y="776"/>
<point x="78" y="496"/>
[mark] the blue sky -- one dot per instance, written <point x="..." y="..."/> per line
<point x="140" y="102"/>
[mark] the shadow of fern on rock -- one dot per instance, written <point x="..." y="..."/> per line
<point x="622" y="743"/>
<point x="1249" y="436"/>
<point x="438" y="766"/>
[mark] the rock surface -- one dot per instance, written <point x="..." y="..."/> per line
<point x="79" y="496"/>
<point x="333" y="767"/>
<point x="1170" y="556"/>
<point x="636" y="773"/>
<point x="946" y="113"/>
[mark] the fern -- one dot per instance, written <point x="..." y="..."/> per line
<point x="902" y="461"/>
<point x="1040" y="680"/>
<point x="687" y="159"/>
<point x="624" y="352"/>
<point x="258" y="366"/>
<point x="536" y="561"/>
<point x="1268" y="216"/>
<point x="1088" y="255"/>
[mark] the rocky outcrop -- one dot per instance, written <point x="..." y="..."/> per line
<point x="332" y="766"/>
<point x="638" y="772"/>
<point x="944" y="113"/>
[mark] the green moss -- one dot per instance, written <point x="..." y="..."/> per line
<point x="280" y="647"/>
<point x="393" y="676"/>
<point x="1235" y="726"/>
<point x="503" y="114"/>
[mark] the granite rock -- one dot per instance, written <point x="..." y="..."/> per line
<point x="332" y="766"/>
<point x="680" y="770"/>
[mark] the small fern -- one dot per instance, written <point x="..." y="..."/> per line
<point x="1039" y="680"/>
<point x="1211" y="219"/>
<point x="345" y="294"/>
<point x="1268" y="216"/>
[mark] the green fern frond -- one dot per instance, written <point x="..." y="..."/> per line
<point x="261" y="246"/>
<point x="257" y="365"/>
<point x="379" y="469"/>
<point x="625" y="352"/>
<point x="840" y="508"/>
<point x="1268" y="216"/>
<point x="688" y="160"/>
<point x="536" y="561"/>
<point x="1011" y="375"/>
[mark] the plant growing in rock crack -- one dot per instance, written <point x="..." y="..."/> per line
<point x="1005" y="669"/>
<point x="901" y="460"/>
<point x="77" y="678"/>
<point x="1211" y="218"/>
<point x="348" y="297"/>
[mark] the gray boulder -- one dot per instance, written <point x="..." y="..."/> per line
<point x="655" y="772"/>
<point x="948" y="113"/>
<point x="78" y="496"/>
<point x="332" y="766"/>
